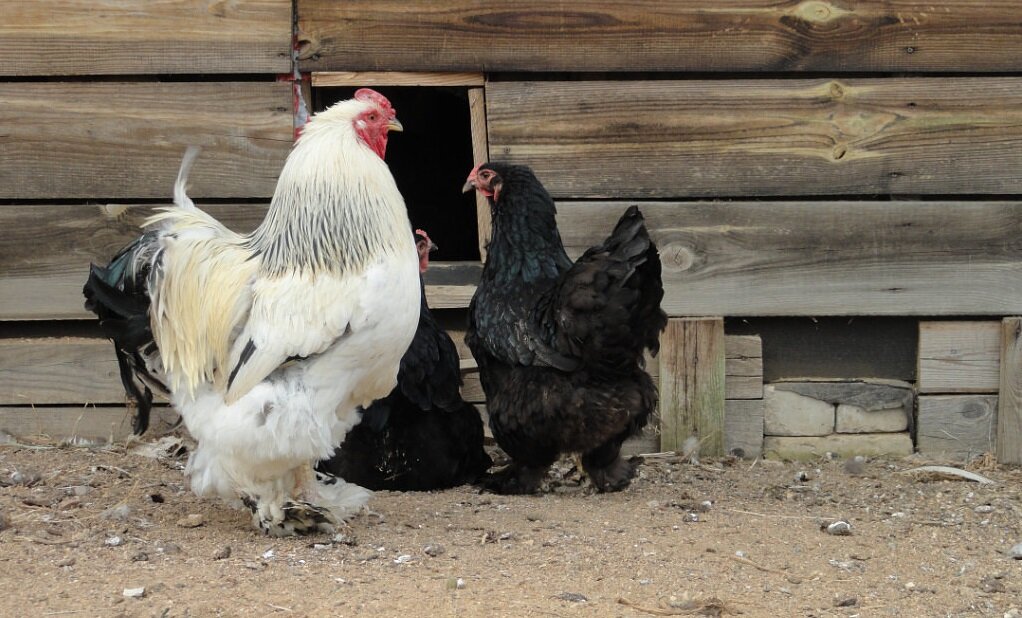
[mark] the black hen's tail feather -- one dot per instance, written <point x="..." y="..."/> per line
<point x="118" y="295"/>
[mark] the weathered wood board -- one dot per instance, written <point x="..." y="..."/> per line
<point x="692" y="384"/>
<point x="824" y="258"/>
<point x="107" y="140"/>
<point x="46" y="249"/>
<point x="122" y="37"/>
<point x="957" y="426"/>
<point x="362" y="79"/>
<point x="743" y="427"/>
<point x="959" y="357"/>
<point x="1009" y="410"/>
<point x="110" y="423"/>
<point x="64" y="370"/>
<point x="699" y="138"/>
<point x="646" y="35"/>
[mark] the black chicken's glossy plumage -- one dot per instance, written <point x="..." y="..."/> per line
<point x="560" y="344"/>
<point x="118" y="294"/>
<point x="423" y="435"/>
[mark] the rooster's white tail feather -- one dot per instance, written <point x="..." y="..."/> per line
<point x="180" y="196"/>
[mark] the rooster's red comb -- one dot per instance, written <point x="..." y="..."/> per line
<point x="371" y="96"/>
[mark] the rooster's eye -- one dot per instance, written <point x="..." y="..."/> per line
<point x="372" y="117"/>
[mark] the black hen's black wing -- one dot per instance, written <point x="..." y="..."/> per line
<point x="422" y="435"/>
<point x="606" y="309"/>
<point x="430" y="374"/>
<point x="118" y="294"/>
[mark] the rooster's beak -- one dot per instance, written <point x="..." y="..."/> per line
<point x="395" y="125"/>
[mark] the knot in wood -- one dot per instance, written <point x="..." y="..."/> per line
<point x="677" y="255"/>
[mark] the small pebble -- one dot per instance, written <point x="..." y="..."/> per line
<point x="846" y="602"/>
<point x="121" y="512"/>
<point x="168" y="548"/>
<point x="504" y="536"/>
<point x="856" y="466"/>
<point x="573" y="597"/>
<point x="140" y="557"/>
<point x="78" y="490"/>
<point x="984" y="508"/>
<point x="321" y="546"/>
<point x="268" y="554"/>
<point x="1015" y="552"/>
<point x="691" y="517"/>
<point x="192" y="520"/>
<point x="114" y="541"/>
<point x="345" y="539"/>
<point x="705" y="506"/>
<point x="645" y="582"/>
<point x="840" y="528"/>
<point x="455" y="584"/>
<point x="801" y="476"/>
<point x="134" y="593"/>
<point x="1014" y="612"/>
<point x="156" y="498"/>
<point x="910" y="586"/>
<point x="25" y="478"/>
<point x="223" y="553"/>
<point x="433" y="550"/>
<point x="66" y="562"/>
<point x="403" y="559"/>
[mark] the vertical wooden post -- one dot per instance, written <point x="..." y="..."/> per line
<point x="480" y="154"/>
<point x="1009" y="406"/>
<point x="692" y="384"/>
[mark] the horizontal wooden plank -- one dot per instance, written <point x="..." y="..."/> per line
<point x="699" y="138"/>
<point x="122" y="37"/>
<point x="648" y="35"/>
<point x="825" y="258"/>
<point x="395" y="78"/>
<point x="46" y="249"/>
<point x="109" y="423"/>
<point x="64" y="370"/>
<point x="959" y="357"/>
<point x="125" y="140"/>
<point x="958" y="427"/>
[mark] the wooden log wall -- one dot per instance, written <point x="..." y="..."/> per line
<point x="792" y="157"/>
<point x="98" y="101"/>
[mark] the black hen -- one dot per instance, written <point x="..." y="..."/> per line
<point x="423" y="435"/>
<point x="559" y="344"/>
<point x="118" y="294"/>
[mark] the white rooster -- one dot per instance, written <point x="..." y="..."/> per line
<point x="268" y="343"/>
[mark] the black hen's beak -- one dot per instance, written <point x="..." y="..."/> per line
<point x="473" y="178"/>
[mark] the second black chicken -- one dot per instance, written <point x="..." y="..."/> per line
<point x="423" y="435"/>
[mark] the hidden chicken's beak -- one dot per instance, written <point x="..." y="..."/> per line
<point x="471" y="182"/>
<point x="395" y="125"/>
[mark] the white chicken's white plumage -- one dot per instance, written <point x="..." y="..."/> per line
<point x="269" y="342"/>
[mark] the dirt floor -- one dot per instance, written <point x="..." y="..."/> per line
<point x="82" y="527"/>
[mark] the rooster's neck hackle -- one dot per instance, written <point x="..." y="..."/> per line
<point x="526" y="245"/>
<point x="336" y="206"/>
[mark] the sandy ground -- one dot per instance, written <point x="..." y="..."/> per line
<point x="717" y="538"/>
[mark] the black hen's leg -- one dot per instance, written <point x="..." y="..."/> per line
<point x="607" y="470"/>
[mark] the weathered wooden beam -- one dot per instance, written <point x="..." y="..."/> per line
<point x="692" y="384"/>
<point x="87" y="421"/>
<point x="122" y="37"/>
<point x="699" y="138"/>
<point x="959" y="357"/>
<point x="650" y="35"/>
<point x="480" y="154"/>
<point x="1009" y="409"/>
<point x="824" y="258"/>
<point x="743" y="427"/>
<point x="395" y="78"/>
<point x="100" y="140"/>
<point x="956" y="426"/>
<point x="61" y="370"/>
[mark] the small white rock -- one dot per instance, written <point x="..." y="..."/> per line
<point x="134" y="593"/>
<point x="267" y="554"/>
<point x="910" y="586"/>
<point x="403" y="559"/>
<point x="1015" y="552"/>
<point x="984" y="508"/>
<point x="459" y="583"/>
<point x="840" y="528"/>
<point x="114" y="541"/>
